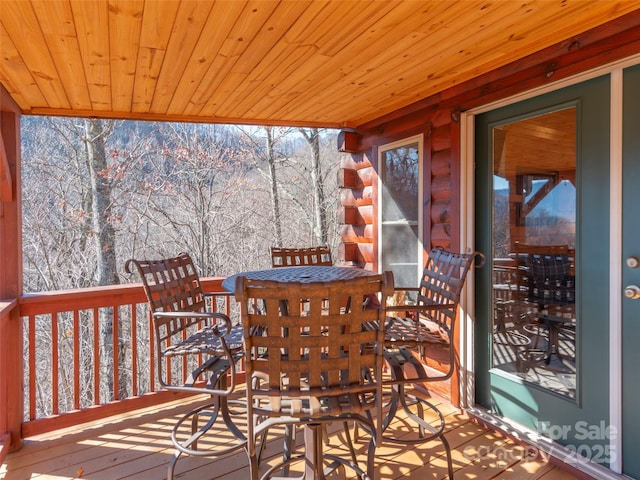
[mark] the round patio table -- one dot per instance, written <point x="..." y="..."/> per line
<point x="303" y="274"/>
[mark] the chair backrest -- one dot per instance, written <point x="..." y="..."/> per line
<point x="171" y="285"/>
<point x="546" y="272"/>
<point x="306" y="334"/>
<point x="443" y="278"/>
<point x="505" y="281"/>
<point x="196" y="349"/>
<point x="295" y="257"/>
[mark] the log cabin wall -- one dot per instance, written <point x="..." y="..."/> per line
<point x="441" y="173"/>
<point x="357" y="177"/>
<point x="437" y="118"/>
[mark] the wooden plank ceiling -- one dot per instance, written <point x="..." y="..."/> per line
<point x="330" y="63"/>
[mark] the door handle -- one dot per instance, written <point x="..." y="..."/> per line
<point x="633" y="262"/>
<point x="632" y="292"/>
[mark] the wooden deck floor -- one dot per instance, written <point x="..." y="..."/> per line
<point x="137" y="446"/>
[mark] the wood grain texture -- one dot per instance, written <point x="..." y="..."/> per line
<point x="313" y="63"/>
<point x="137" y="445"/>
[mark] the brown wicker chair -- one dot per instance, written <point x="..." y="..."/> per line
<point x="423" y="331"/>
<point x="313" y="362"/>
<point x="295" y="257"/>
<point x="196" y="350"/>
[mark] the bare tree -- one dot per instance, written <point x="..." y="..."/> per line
<point x="101" y="212"/>
<point x="98" y="192"/>
<point x="265" y="151"/>
<point x="275" y="201"/>
<point x="301" y="212"/>
<point x="320" y="227"/>
<point x="104" y="235"/>
<point x="69" y="207"/>
<point x="190" y="194"/>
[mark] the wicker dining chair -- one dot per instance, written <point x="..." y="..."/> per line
<point x="313" y="364"/>
<point x="196" y="350"/>
<point x="295" y="257"/>
<point x="423" y="331"/>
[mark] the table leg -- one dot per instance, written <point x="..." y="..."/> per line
<point x="313" y="462"/>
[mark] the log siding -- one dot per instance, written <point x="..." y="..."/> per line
<point x="438" y="119"/>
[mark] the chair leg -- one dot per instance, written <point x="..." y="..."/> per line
<point x="447" y="449"/>
<point x="172" y="464"/>
<point x="313" y="467"/>
<point x="212" y="412"/>
<point x="371" y="456"/>
<point x="194" y="428"/>
<point x="253" y="465"/>
<point x="426" y="431"/>
<point x="317" y="465"/>
<point x="289" y="445"/>
<point x="347" y="435"/>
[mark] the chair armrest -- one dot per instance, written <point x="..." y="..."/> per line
<point x="200" y="316"/>
<point x="217" y="294"/>
<point x="418" y="308"/>
<point x="406" y="289"/>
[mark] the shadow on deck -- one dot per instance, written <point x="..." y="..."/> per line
<point x="138" y="446"/>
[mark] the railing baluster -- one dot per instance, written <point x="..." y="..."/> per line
<point x="185" y="365"/>
<point x="76" y="359"/>
<point x="152" y="354"/>
<point x="55" y="400"/>
<point x="133" y="326"/>
<point x="96" y="357"/>
<point x="32" y="367"/>
<point x="115" y="345"/>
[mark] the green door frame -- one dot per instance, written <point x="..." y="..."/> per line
<point x="536" y="408"/>
<point x="630" y="248"/>
<point x="467" y="228"/>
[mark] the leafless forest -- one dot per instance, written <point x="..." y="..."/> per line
<point x="98" y="192"/>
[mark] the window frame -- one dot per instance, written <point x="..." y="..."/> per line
<point x="419" y="140"/>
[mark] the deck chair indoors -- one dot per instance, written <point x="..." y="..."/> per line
<point x="196" y="351"/>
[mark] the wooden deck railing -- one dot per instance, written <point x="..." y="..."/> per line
<point x="86" y="355"/>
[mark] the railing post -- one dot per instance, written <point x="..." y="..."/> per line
<point x="12" y="376"/>
<point x="6" y="424"/>
<point x="10" y="275"/>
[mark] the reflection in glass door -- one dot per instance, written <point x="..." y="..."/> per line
<point x="534" y="242"/>
<point x="542" y="169"/>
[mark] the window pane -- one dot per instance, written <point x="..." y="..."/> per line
<point x="400" y="188"/>
<point x="400" y="245"/>
<point x="400" y="252"/>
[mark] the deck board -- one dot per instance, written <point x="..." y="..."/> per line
<point x="138" y="446"/>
